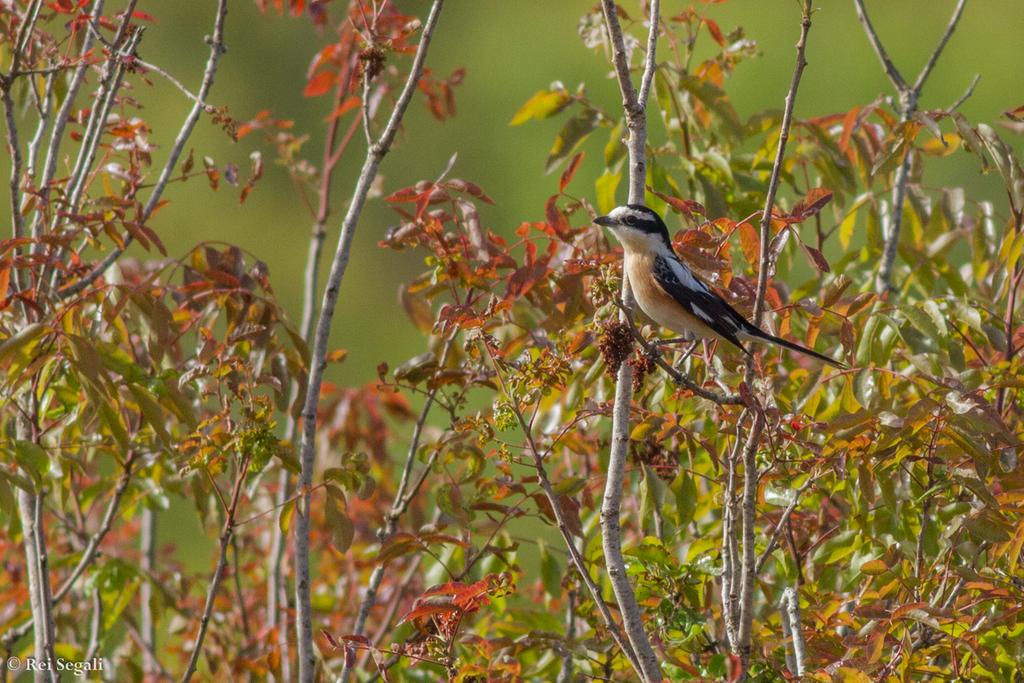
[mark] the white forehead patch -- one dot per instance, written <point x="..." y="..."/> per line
<point x="620" y="213"/>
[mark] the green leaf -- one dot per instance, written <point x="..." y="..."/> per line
<point x="715" y="99"/>
<point x="550" y="571"/>
<point x="417" y="369"/>
<point x="153" y="414"/>
<point x="685" y="491"/>
<point x="570" y="486"/>
<point x="335" y="511"/>
<point x="572" y="134"/>
<point x="284" y="522"/>
<point x="544" y="104"/>
<point x="616" y="148"/>
<point x="604" y="188"/>
<point x="849" y="222"/>
<point x="32" y="458"/>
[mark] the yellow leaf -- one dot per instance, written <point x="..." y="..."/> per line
<point x="542" y="105"/>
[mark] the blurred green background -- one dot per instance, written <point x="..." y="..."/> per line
<point x="511" y="49"/>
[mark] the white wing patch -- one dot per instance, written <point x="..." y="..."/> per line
<point x="684" y="276"/>
<point x="700" y="313"/>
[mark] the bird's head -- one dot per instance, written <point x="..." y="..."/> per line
<point x="636" y="227"/>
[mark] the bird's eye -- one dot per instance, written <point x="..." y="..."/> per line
<point x="629" y="220"/>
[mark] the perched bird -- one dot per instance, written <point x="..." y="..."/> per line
<point x="668" y="291"/>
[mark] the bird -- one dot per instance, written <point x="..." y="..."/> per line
<point x="671" y="295"/>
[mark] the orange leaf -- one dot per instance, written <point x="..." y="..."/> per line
<point x="319" y="84"/>
<point x="5" y="281"/>
<point x="345" y="107"/>
<point x="569" y="172"/>
<point x="750" y="244"/>
<point x="811" y="204"/>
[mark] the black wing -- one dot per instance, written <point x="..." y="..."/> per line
<point x="698" y="299"/>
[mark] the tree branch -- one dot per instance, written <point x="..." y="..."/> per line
<point x="403" y="497"/>
<point x="930" y="64"/>
<point x="748" y="508"/>
<point x="895" y="77"/>
<point x="624" y="642"/>
<point x="217" y="48"/>
<point x="59" y="123"/>
<point x="908" y="99"/>
<point x="375" y="153"/>
<point x="222" y="560"/>
<point x="789" y="613"/>
<point x="773" y="540"/>
<point x="276" y="591"/>
<point x="635" y="107"/>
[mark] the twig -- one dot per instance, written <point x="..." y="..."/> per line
<point x="621" y="639"/>
<point x="95" y="625"/>
<point x="24" y="36"/>
<point x="375" y="153"/>
<point x="222" y="560"/>
<point x="217" y="48"/>
<point x="773" y="540"/>
<point x="750" y="476"/>
<point x="908" y="98"/>
<point x="403" y="496"/>
<point x="147" y="651"/>
<point x="967" y="93"/>
<point x="276" y="591"/>
<point x="59" y="123"/>
<point x="635" y="107"/>
<point x="206" y="107"/>
<point x="147" y="622"/>
<point x="789" y="612"/>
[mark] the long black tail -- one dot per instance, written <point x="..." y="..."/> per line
<point x="760" y="334"/>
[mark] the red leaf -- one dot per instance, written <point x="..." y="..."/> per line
<point x="555" y="218"/>
<point x="319" y="84"/>
<point x="145" y="16"/>
<point x="810" y="205"/>
<point x="569" y="172"/>
<point x="816" y="258"/>
<point x="330" y="639"/>
<point x="715" y="31"/>
<point x="687" y="207"/>
<point x="1015" y="114"/>
<point x="345" y="107"/>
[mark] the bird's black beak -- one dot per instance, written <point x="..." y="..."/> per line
<point x="605" y="221"/>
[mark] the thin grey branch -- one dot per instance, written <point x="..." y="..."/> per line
<point x="621" y="639"/>
<point x="789" y="613"/>
<point x="773" y="540"/>
<point x="375" y="153"/>
<point x="748" y="509"/>
<point x="876" y="43"/>
<point x="635" y="107"/>
<point x="217" y="48"/>
<point x="226" y="535"/>
<point x="403" y="497"/>
<point x="930" y="64"/>
<point x="967" y="94"/>
<point x="908" y="99"/>
<point x="59" y="123"/>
